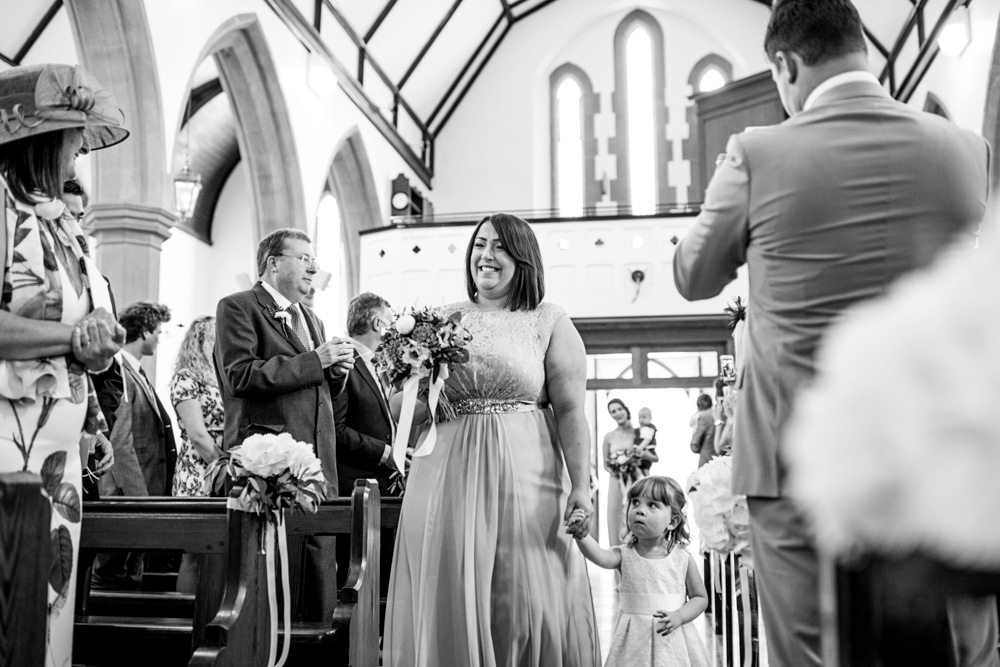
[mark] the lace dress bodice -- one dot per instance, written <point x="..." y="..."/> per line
<point x="507" y="354"/>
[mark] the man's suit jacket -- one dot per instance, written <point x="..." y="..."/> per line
<point x="364" y="428"/>
<point x="826" y="210"/>
<point x="269" y="382"/>
<point x="143" y="442"/>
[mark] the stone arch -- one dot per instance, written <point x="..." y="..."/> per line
<point x="352" y="183"/>
<point x="264" y="129"/>
<point x="131" y="207"/>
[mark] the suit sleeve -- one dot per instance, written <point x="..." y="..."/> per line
<point x="354" y="448"/>
<point x="707" y="258"/>
<point x="247" y="374"/>
<point x="126" y="472"/>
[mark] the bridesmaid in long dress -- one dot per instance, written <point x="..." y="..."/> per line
<point x="55" y="321"/>
<point x="623" y="437"/>
<point x="484" y="572"/>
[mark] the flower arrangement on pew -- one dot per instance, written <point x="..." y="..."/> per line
<point x="721" y="516"/>
<point x="421" y="343"/>
<point x="277" y="473"/>
<point x="626" y="463"/>
<point x="280" y="473"/>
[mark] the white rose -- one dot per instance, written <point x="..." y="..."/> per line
<point x="269" y="455"/>
<point x="405" y="324"/>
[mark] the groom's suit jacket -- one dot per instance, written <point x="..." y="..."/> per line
<point x="269" y="382"/>
<point x="826" y="210"/>
<point x="364" y="428"/>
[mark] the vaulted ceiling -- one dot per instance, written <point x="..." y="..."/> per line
<point x="409" y="63"/>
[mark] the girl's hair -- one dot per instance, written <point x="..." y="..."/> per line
<point x="33" y="167"/>
<point x="620" y="402"/>
<point x="667" y="491"/>
<point x="195" y="354"/>
<point x="527" y="289"/>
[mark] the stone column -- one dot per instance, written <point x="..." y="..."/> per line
<point x="129" y="238"/>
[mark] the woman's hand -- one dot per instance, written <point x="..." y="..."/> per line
<point x="96" y="339"/>
<point x="578" y="503"/>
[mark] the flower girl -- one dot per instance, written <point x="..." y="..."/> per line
<point x="661" y="590"/>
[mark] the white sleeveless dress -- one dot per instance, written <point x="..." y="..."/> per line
<point x="648" y="585"/>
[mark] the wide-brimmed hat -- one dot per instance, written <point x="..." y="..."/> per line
<point x="36" y="99"/>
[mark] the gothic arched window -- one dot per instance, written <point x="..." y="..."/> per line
<point x="572" y="101"/>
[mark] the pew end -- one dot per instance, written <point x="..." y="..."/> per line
<point x="25" y="520"/>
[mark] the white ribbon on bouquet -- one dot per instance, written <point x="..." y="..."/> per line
<point x="410" y="390"/>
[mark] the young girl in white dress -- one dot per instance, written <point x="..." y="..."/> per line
<point x="661" y="589"/>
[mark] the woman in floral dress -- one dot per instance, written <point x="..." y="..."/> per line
<point x="56" y="324"/>
<point x="194" y="392"/>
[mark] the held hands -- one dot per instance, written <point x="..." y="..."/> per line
<point x="96" y="339"/>
<point x="579" y="512"/>
<point x="668" y="621"/>
<point x="338" y="353"/>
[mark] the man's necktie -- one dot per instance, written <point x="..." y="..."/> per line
<point x="299" y="327"/>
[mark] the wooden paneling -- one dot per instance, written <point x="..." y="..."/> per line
<point x="749" y="102"/>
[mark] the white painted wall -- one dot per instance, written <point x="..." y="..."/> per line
<point x="195" y="275"/>
<point x="588" y="267"/>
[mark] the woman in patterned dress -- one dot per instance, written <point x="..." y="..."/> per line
<point x="194" y="393"/>
<point x="56" y="324"/>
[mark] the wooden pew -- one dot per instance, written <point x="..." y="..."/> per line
<point x="25" y="516"/>
<point x="230" y="620"/>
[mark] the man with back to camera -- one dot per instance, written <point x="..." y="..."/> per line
<point x="279" y="374"/>
<point x="826" y="210"/>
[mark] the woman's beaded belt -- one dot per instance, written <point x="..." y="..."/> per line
<point x="490" y="406"/>
<point x="642" y="603"/>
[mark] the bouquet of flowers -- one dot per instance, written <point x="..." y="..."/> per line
<point x="421" y="343"/>
<point x="721" y="516"/>
<point x="279" y="473"/>
<point x="626" y="464"/>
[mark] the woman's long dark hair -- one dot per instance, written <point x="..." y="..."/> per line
<point x="32" y="167"/>
<point x="528" y="286"/>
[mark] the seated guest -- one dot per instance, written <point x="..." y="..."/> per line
<point x="142" y="438"/>
<point x="194" y="393"/>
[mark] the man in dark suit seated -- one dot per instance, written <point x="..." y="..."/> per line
<point x="278" y="374"/>
<point x="365" y="427"/>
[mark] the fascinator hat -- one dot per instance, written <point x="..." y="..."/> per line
<point x="36" y="99"/>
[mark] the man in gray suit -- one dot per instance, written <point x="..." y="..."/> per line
<point x="826" y="210"/>
<point x="142" y="437"/>
<point x="279" y="374"/>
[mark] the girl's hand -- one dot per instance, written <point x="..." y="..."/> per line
<point x="575" y="521"/>
<point x="668" y="621"/>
